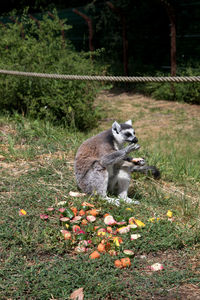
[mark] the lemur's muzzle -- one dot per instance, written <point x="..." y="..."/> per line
<point x="135" y="140"/>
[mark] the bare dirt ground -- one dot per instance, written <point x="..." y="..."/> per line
<point x="149" y="115"/>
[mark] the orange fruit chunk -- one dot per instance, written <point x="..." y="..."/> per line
<point x="93" y="212"/>
<point x="126" y="262"/>
<point x="84" y="222"/>
<point x="87" y="204"/>
<point x="101" y="248"/>
<point x="118" y="264"/>
<point x="94" y="255"/>
<point x="81" y="212"/>
<point x="74" y="209"/>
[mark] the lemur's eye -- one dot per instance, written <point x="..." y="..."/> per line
<point x="128" y="134"/>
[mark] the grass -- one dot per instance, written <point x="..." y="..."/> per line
<point x="36" y="162"/>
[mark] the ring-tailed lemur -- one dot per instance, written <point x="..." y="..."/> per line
<point x="102" y="164"/>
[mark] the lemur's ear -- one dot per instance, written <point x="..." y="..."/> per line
<point x="129" y="122"/>
<point x="116" y="127"/>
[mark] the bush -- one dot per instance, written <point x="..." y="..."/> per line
<point x="184" y="92"/>
<point x="44" y="50"/>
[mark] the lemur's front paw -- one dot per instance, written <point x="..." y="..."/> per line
<point x="132" y="147"/>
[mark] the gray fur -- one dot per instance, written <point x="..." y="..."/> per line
<point x="100" y="162"/>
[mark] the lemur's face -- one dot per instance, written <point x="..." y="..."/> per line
<point x="129" y="135"/>
<point x="124" y="133"/>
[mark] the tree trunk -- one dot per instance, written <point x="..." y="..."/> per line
<point x="89" y="23"/>
<point x="172" y="18"/>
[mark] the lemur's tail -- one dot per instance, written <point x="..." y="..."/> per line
<point x="146" y="170"/>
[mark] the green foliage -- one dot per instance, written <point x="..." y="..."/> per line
<point x="184" y="92"/>
<point x="43" y="50"/>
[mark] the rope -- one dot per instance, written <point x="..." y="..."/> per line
<point x="104" y="78"/>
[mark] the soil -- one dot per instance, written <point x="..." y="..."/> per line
<point x="149" y="116"/>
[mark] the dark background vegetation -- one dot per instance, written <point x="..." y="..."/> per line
<point x="147" y="24"/>
<point x="142" y="27"/>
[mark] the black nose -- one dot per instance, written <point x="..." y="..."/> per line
<point x="135" y="140"/>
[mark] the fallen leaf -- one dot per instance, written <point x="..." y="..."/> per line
<point x="77" y="294"/>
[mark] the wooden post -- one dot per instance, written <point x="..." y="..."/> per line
<point x="90" y="28"/>
<point x="172" y="18"/>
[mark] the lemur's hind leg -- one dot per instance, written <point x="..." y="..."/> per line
<point x="124" y="178"/>
<point x="121" y="181"/>
<point x="97" y="182"/>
